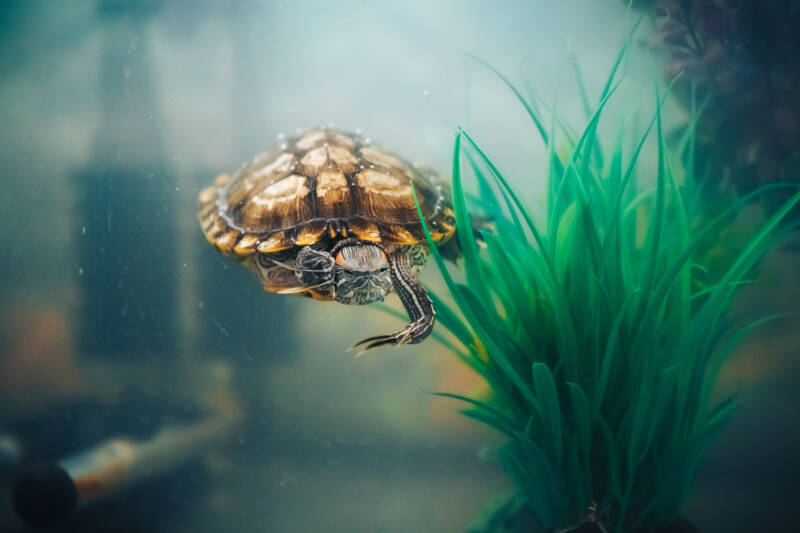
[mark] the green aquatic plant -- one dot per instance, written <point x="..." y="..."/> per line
<point x="599" y="350"/>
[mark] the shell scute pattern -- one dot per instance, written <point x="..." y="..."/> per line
<point x="323" y="184"/>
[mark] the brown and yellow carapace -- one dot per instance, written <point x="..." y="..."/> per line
<point x="329" y="215"/>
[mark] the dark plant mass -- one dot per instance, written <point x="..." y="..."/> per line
<point x="743" y="58"/>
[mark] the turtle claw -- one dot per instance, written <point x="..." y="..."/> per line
<point x="380" y="340"/>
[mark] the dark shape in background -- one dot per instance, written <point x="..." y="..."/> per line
<point x="236" y="315"/>
<point x="126" y="205"/>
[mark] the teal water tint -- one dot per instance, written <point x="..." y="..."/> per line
<point x="118" y="320"/>
<point x="598" y="344"/>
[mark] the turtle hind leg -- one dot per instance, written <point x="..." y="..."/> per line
<point x="451" y="250"/>
<point x="416" y="301"/>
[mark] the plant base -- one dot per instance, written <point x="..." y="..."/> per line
<point x="679" y="525"/>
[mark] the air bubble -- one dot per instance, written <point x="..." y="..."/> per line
<point x="292" y="110"/>
<point x="347" y="20"/>
<point x="298" y="131"/>
<point x="83" y="230"/>
<point x="371" y="165"/>
<point x="426" y="93"/>
<point x="284" y="146"/>
<point x="367" y="140"/>
<point x="281" y="136"/>
<point x="358" y="131"/>
<point x="325" y="145"/>
<point x="80" y="271"/>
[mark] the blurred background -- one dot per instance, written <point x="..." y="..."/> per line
<point x="117" y="319"/>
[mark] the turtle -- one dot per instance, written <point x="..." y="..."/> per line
<point x="329" y="215"/>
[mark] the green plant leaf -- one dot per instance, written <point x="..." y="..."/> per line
<point x="548" y="396"/>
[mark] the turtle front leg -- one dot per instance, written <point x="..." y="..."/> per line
<point x="416" y="301"/>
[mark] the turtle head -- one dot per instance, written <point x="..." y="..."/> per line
<point x="360" y="272"/>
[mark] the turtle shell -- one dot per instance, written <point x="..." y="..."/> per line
<point x="322" y="185"/>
